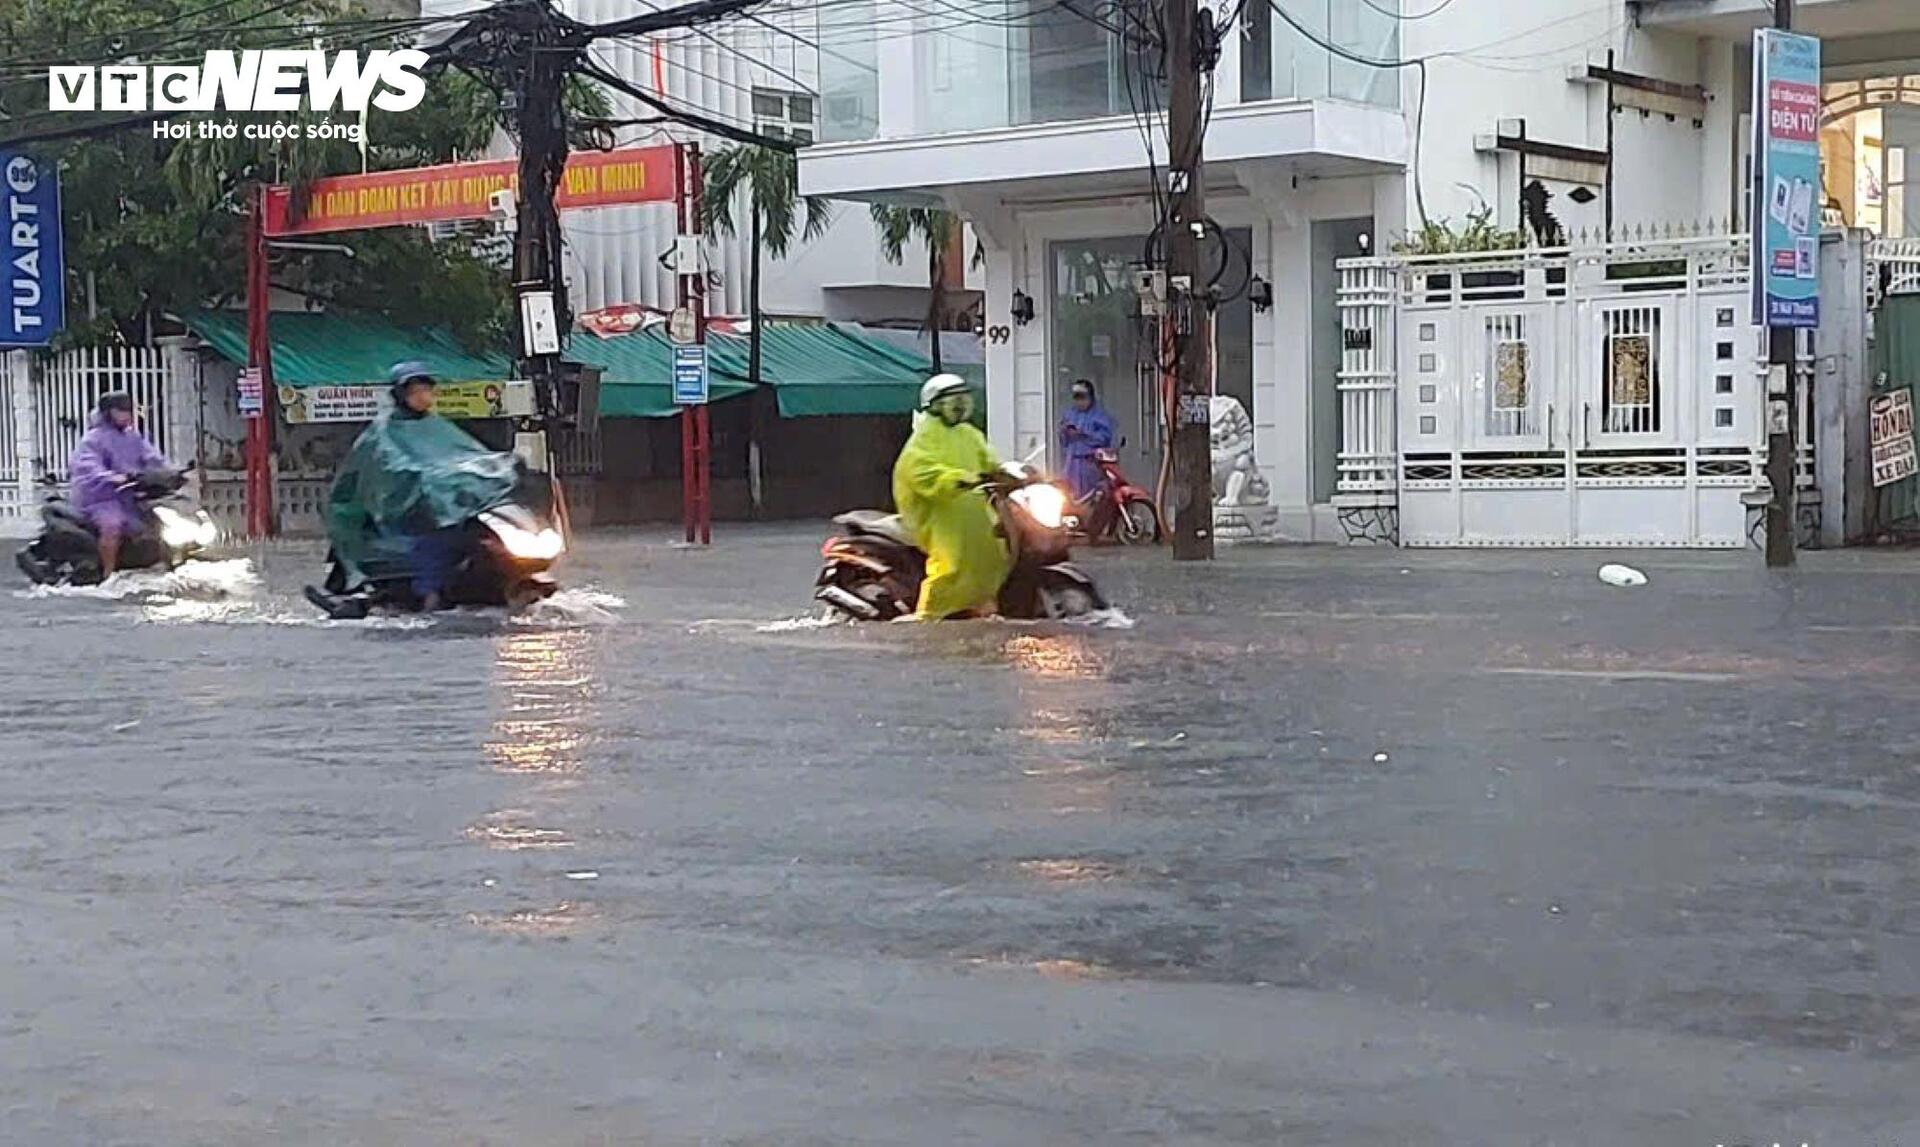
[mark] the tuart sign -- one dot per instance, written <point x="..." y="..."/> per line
<point x="33" y="296"/>
<point x="464" y="191"/>
<point x="1890" y="418"/>
<point x="460" y="400"/>
<point x="1787" y="198"/>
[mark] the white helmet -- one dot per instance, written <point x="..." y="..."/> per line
<point x="939" y="387"/>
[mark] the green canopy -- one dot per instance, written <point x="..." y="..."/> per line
<point x="1896" y="353"/>
<point x="636" y="373"/>
<point x="814" y="369"/>
<point x="338" y="349"/>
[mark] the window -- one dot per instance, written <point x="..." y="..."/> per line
<point x="1630" y="372"/>
<point x="784" y="115"/>
<point x="1509" y="377"/>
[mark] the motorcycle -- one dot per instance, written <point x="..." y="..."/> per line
<point x="505" y="557"/>
<point x="1119" y="509"/>
<point x="873" y="571"/>
<point x="173" y="530"/>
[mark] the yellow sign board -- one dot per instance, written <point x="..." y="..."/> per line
<point x="464" y="400"/>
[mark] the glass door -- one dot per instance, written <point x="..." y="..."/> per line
<point x="1098" y="334"/>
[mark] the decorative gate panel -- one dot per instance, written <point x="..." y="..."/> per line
<point x="1601" y="397"/>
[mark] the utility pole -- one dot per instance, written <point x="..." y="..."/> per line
<point x="542" y="314"/>
<point x="1192" y="490"/>
<point x="1781" y="359"/>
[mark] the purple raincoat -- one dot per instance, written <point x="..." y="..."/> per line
<point x="105" y="450"/>
<point x="1082" y="433"/>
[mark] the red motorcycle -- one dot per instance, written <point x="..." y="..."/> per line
<point x="1119" y="509"/>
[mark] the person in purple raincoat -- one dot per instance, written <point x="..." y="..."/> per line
<point x="1086" y="430"/>
<point x="110" y="455"/>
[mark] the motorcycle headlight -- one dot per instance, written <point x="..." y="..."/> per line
<point x="542" y="545"/>
<point x="1046" y="505"/>
<point x="178" y="531"/>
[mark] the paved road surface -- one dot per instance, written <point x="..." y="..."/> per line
<point x="1332" y="847"/>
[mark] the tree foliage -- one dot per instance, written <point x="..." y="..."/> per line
<point x="157" y="225"/>
<point x="937" y="230"/>
<point x="769" y="182"/>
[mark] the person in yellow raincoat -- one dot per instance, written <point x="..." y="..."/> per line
<point x="936" y="486"/>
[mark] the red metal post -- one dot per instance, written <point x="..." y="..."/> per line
<point x="695" y="429"/>
<point x="259" y="449"/>
<point x="702" y="429"/>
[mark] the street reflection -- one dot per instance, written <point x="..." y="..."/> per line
<point x="562" y="919"/>
<point x="1069" y="870"/>
<point x="547" y="699"/>
<point x="549" y="691"/>
<point x="1056" y="655"/>
<point x="1062" y="690"/>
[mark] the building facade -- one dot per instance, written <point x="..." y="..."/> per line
<point x="1338" y="129"/>
<point x="759" y="74"/>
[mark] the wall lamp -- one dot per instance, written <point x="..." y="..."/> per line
<point x="1260" y="294"/>
<point x="1022" y="307"/>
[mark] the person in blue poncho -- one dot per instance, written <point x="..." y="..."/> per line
<point x="1086" y="430"/>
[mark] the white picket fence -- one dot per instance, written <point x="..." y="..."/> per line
<point x="47" y="403"/>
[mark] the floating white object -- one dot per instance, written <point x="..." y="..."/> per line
<point x="1614" y="574"/>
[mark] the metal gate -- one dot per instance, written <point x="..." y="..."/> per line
<point x="49" y="403"/>
<point x="1609" y="396"/>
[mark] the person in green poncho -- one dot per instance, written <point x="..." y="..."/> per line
<point x="936" y="486"/>
<point x="405" y="497"/>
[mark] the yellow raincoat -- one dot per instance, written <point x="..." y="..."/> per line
<point x="954" y="524"/>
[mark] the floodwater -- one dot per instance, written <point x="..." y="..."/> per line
<point x="1307" y="846"/>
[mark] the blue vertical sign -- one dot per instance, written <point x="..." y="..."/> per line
<point x="1787" y="198"/>
<point x="690" y="375"/>
<point x="33" y="296"/>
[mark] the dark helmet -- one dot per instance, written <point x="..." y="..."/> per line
<point x="115" y="400"/>
<point x="405" y="373"/>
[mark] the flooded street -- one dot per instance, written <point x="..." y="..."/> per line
<point x="1327" y="847"/>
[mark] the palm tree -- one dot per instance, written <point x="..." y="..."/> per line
<point x="936" y="228"/>
<point x="771" y="181"/>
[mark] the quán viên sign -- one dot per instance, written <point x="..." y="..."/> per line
<point x="462" y="400"/>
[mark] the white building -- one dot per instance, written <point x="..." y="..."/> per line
<point x="759" y="74"/>
<point x="1023" y="115"/>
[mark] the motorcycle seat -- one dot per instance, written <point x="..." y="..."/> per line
<point x="61" y="510"/>
<point x="888" y="526"/>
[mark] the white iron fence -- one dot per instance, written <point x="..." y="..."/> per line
<point x="1608" y="395"/>
<point x="47" y="403"/>
<point x="1893" y="268"/>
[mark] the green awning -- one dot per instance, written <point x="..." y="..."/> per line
<point x="336" y="349"/>
<point x="636" y="373"/>
<point x="815" y="370"/>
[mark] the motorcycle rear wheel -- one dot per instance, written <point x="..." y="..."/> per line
<point x="1138" y="524"/>
<point x="1063" y="602"/>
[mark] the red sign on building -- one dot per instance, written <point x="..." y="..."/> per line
<point x="463" y="190"/>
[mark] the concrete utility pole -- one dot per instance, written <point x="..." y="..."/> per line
<point x="1781" y="356"/>
<point x="1192" y="491"/>
<point x="540" y="289"/>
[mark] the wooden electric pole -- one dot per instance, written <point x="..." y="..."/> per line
<point x="1782" y="358"/>
<point x="1192" y="489"/>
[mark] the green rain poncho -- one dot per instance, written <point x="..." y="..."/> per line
<point x="405" y="477"/>
<point x="933" y="488"/>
